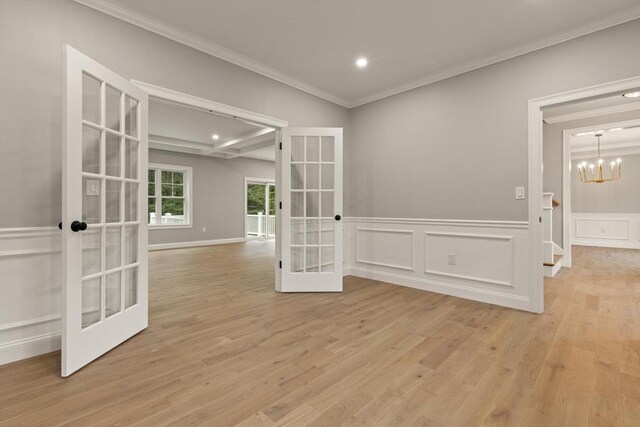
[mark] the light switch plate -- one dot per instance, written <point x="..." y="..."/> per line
<point x="519" y="193"/>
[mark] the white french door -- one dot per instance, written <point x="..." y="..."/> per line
<point x="104" y="226"/>
<point x="311" y="192"/>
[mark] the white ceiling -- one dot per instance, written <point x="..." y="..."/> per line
<point x="175" y="127"/>
<point x="312" y="45"/>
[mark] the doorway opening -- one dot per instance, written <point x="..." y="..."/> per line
<point x="260" y="208"/>
<point x="543" y="249"/>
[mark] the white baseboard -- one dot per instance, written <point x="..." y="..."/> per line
<point x="29" y="347"/>
<point x="456" y="290"/>
<point x="178" y="245"/>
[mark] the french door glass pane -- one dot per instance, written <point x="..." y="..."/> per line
<point x="313" y="231"/>
<point x="326" y="236"/>
<point x="313" y="149"/>
<point x="297" y="205"/>
<point x="312" y="260"/>
<point x="327" y="177"/>
<point x="112" y="294"/>
<point x="131" y="244"/>
<point x="327" y="204"/>
<point x="297" y="259"/>
<point x="90" y="301"/>
<point x="112" y="249"/>
<point x="90" y="99"/>
<point x="313" y="176"/>
<point x="131" y="159"/>
<point x="327" y="259"/>
<point x="112" y="108"/>
<point x="113" y="201"/>
<point x="91" y="251"/>
<point x="328" y="147"/>
<point x="297" y="148"/>
<point x="131" y="202"/>
<point x="131" y="116"/>
<point x="297" y="176"/>
<point x="113" y="155"/>
<point x="91" y="190"/>
<point x="297" y="231"/>
<point x="313" y="205"/>
<point x="90" y="149"/>
<point x="130" y="287"/>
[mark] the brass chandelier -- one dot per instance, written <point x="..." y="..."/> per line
<point x="589" y="173"/>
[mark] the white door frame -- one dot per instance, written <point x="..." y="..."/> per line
<point x="207" y="105"/>
<point x="536" y="279"/>
<point x="248" y="180"/>
<point x="566" y="178"/>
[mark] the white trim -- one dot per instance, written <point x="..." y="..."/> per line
<point x="426" y="221"/>
<point x="189" y="39"/>
<point x="596" y="112"/>
<point x="196" y="243"/>
<point x="536" y="284"/>
<point x="29" y="347"/>
<point x="214" y="49"/>
<point x="187" y="194"/>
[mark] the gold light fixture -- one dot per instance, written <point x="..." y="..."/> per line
<point x="589" y="174"/>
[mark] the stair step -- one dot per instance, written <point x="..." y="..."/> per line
<point x="556" y="259"/>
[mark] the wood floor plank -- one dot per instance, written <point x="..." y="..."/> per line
<point x="223" y="349"/>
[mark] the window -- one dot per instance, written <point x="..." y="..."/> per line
<point x="169" y="200"/>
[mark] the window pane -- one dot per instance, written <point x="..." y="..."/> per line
<point x="131" y="159"/>
<point x="130" y="287"/>
<point x="112" y="108"/>
<point x="131" y="116"/>
<point x="112" y="250"/>
<point x="131" y="202"/>
<point x="172" y="206"/>
<point x="297" y="148"/>
<point x="167" y="190"/>
<point x="313" y="150"/>
<point x="166" y="177"/>
<point x="151" y="206"/>
<point x="113" y="201"/>
<point x="90" y="99"/>
<point x="178" y="190"/>
<point x="152" y="175"/>
<point x="91" y="190"/>
<point x="112" y="294"/>
<point x="178" y="177"/>
<point x="255" y="198"/>
<point x="91" y="252"/>
<point x="328" y="148"/>
<point x="90" y="150"/>
<point x="152" y="189"/>
<point x="131" y="244"/>
<point x="90" y="301"/>
<point x="113" y="155"/>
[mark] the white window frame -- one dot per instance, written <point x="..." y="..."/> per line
<point x="187" y="181"/>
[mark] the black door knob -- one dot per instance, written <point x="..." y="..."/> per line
<point x="60" y="225"/>
<point x="338" y="217"/>
<point x="78" y="226"/>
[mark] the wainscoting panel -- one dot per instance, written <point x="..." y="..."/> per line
<point x="30" y="292"/>
<point x="480" y="260"/>
<point x="605" y="230"/>
<point x="385" y="247"/>
<point x="475" y="256"/>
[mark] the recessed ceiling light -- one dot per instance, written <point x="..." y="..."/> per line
<point x="585" y="133"/>
<point x="215" y="137"/>
<point x="632" y="95"/>
<point x="615" y="129"/>
<point x="362" y="62"/>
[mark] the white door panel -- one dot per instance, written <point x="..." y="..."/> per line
<point x="311" y="189"/>
<point x="104" y="227"/>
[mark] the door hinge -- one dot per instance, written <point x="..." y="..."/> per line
<point x="281" y="145"/>
<point x="280" y="205"/>
<point x="280" y="264"/>
<point x="540" y="219"/>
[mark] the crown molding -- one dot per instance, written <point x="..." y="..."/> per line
<point x="596" y="112"/>
<point x="474" y="65"/>
<point x="128" y="15"/>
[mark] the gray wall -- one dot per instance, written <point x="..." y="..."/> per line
<point x="32" y="35"/>
<point x="218" y="195"/>
<point x="458" y="147"/>
<point x="552" y="159"/>
<point x="621" y="196"/>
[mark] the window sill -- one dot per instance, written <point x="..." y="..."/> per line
<point x="168" y="226"/>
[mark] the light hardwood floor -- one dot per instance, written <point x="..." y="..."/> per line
<point x="223" y="349"/>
